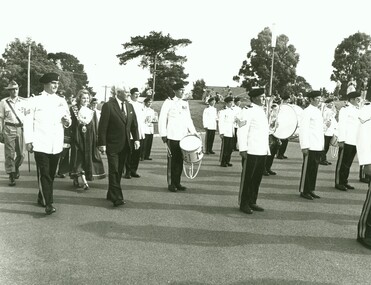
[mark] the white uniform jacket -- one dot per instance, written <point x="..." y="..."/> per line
<point x="226" y="122"/>
<point x="329" y="115"/>
<point x="210" y="118"/>
<point x="150" y="118"/>
<point x="43" y="123"/>
<point x="253" y="133"/>
<point x="139" y="112"/>
<point x="363" y="136"/>
<point x="348" y="124"/>
<point x="175" y="120"/>
<point x="311" y="131"/>
<point x="237" y="110"/>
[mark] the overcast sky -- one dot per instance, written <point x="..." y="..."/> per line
<point x="220" y="32"/>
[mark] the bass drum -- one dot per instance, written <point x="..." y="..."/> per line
<point x="286" y="122"/>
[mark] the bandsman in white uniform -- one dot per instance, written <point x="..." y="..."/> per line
<point x="364" y="159"/>
<point x="12" y="112"/>
<point x="253" y="144"/>
<point x="44" y="134"/>
<point x="329" y="116"/>
<point x="311" y="138"/>
<point x="237" y="110"/>
<point x="151" y="117"/>
<point x="175" y="123"/>
<point x="226" y="132"/>
<point x="347" y="137"/>
<point x="210" y="120"/>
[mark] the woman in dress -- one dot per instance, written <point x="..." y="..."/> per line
<point x="86" y="161"/>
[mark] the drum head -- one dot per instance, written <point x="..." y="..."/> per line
<point x="190" y="143"/>
<point x="286" y="122"/>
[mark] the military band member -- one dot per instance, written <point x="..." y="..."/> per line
<point x="274" y="143"/>
<point x="226" y="131"/>
<point x="254" y="147"/>
<point x="151" y="117"/>
<point x="237" y="110"/>
<point x="329" y="115"/>
<point x="12" y="112"/>
<point x="347" y="137"/>
<point x="175" y="123"/>
<point x="311" y="138"/>
<point x="44" y="134"/>
<point x="210" y="120"/>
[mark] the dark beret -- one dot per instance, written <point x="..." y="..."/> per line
<point x="285" y="96"/>
<point x="147" y="99"/>
<point x="133" y="90"/>
<point x="329" y="100"/>
<point x="313" y="94"/>
<point x="354" y="94"/>
<point x="49" y="77"/>
<point x="237" y="99"/>
<point x="228" y="99"/>
<point x="255" y="92"/>
<point x="211" y="99"/>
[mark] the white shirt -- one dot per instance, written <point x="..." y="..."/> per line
<point x="311" y="133"/>
<point x="7" y="115"/>
<point x="226" y="122"/>
<point x="150" y="118"/>
<point x="43" y="124"/>
<point x="363" y="136"/>
<point x="175" y="120"/>
<point x="253" y="133"/>
<point x="139" y="112"/>
<point x="329" y="115"/>
<point x="209" y="118"/>
<point x="348" y="124"/>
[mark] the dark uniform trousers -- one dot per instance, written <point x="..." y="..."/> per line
<point x="174" y="163"/>
<point x="326" y="148"/>
<point x="132" y="162"/>
<point x="283" y="147"/>
<point x="309" y="171"/>
<point x="227" y="149"/>
<point x="209" y="140"/>
<point x="116" y="163"/>
<point x="147" y="146"/>
<point x="364" y="224"/>
<point x="64" y="161"/>
<point x="251" y="176"/>
<point x="46" y="168"/>
<point x="345" y="159"/>
<point x="274" y="144"/>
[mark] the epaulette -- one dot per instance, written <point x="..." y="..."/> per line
<point x="247" y="107"/>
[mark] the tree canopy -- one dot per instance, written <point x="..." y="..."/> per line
<point x="14" y="66"/>
<point x="198" y="89"/>
<point x="256" y="69"/>
<point x="352" y="57"/>
<point x="158" y="53"/>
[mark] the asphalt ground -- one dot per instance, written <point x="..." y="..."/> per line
<point x="194" y="237"/>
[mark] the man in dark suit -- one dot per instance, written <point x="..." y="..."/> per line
<point x="117" y="122"/>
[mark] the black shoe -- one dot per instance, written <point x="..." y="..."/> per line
<point x="211" y="152"/>
<point x="340" y="187"/>
<point x="118" y="203"/>
<point x="181" y="188"/>
<point x="16" y="176"/>
<point x="306" y="196"/>
<point x="229" y="164"/>
<point x="279" y="157"/>
<point x="49" y="209"/>
<point x="366" y="242"/>
<point x="257" y="208"/>
<point x="284" y="156"/>
<point x="349" y="186"/>
<point x="136" y="175"/>
<point x="323" y="163"/>
<point x="12" y="179"/>
<point x="127" y="176"/>
<point x="147" y="158"/>
<point x="271" y="172"/>
<point x="223" y="165"/>
<point x="364" y="180"/>
<point x="59" y="175"/>
<point x="314" y="195"/>
<point x="246" y="210"/>
<point x="86" y="186"/>
<point x="171" y="188"/>
<point x="40" y="203"/>
<point x="328" y="162"/>
<point x="266" y="173"/>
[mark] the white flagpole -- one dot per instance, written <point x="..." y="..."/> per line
<point x="29" y="91"/>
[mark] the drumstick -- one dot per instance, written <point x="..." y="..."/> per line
<point x="168" y="150"/>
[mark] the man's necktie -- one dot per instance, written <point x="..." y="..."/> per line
<point x="123" y="109"/>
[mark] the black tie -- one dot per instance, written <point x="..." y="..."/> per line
<point x="123" y="109"/>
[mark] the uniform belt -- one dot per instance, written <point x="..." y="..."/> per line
<point x="13" y="125"/>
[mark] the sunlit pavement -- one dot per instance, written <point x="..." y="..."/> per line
<point x="194" y="237"/>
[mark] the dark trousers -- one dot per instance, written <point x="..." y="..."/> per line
<point x="326" y="148"/>
<point x="116" y="163"/>
<point x="174" y="163"/>
<point x="147" y="146"/>
<point x="283" y="147"/>
<point x="345" y="159"/>
<point x="46" y="168"/>
<point x="64" y="161"/>
<point x="209" y="140"/>
<point x="364" y="224"/>
<point x="251" y="176"/>
<point x="132" y="162"/>
<point x="226" y="150"/>
<point x="235" y="140"/>
<point x="274" y="145"/>
<point x="309" y="171"/>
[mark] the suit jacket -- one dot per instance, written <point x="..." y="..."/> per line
<point x="114" y="128"/>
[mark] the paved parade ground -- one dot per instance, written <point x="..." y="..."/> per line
<point x="194" y="237"/>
